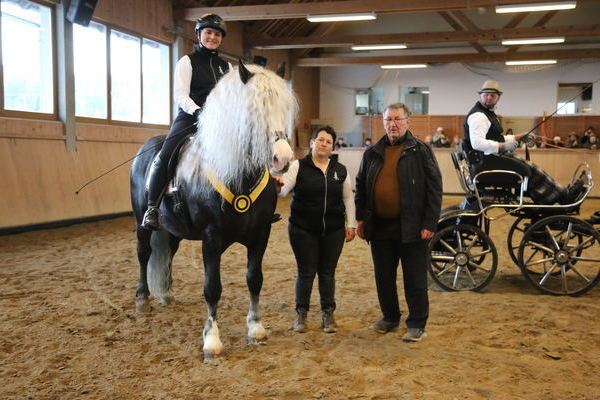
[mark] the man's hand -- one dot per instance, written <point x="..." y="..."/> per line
<point x="426" y="234"/>
<point x="360" y="229"/>
<point x="350" y="234"/>
<point x="510" y="145"/>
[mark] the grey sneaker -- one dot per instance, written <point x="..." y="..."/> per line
<point x="414" y="335"/>
<point x="383" y="326"/>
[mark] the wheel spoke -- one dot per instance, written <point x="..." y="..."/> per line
<point x="446" y="245"/>
<point x="475" y="239"/>
<point x="480" y="254"/>
<point x="541" y="247"/>
<point x="456" y="276"/>
<point x="540" y="261"/>
<point x="458" y="240"/>
<point x="535" y="251"/>
<point x="446" y="269"/>
<point x="472" y="264"/>
<point x="549" y="232"/>
<point x="585" y="278"/>
<point x="563" y="274"/>
<point x="442" y="258"/>
<point x="584" y="243"/>
<point x="471" y="277"/>
<point x="546" y="275"/>
<point x="568" y="235"/>
<point x="585" y="259"/>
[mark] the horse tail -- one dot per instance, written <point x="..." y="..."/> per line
<point x="159" y="265"/>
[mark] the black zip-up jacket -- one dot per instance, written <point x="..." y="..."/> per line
<point x="420" y="186"/>
<point x="318" y="202"/>
<point x="494" y="133"/>
<point x="207" y="69"/>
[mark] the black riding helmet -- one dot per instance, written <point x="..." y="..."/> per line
<point x="211" y="21"/>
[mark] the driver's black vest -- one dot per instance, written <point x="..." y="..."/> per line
<point x="494" y="133"/>
<point x="207" y="69"/>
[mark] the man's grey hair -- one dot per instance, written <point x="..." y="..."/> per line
<point x="398" y="106"/>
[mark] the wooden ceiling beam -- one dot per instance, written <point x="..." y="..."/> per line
<point x="541" y="22"/>
<point x="301" y="10"/>
<point x="424" y="37"/>
<point x="467" y="23"/>
<point x="450" y="58"/>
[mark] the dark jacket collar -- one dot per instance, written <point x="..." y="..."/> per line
<point x="409" y="141"/>
<point x="198" y="48"/>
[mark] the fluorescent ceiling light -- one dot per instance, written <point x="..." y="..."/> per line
<point x="511" y="42"/>
<point x="511" y="8"/>
<point x="530" y="62"/>
<point x="425" y="92"/>
<point x="399" y="66"/>
<point x="379" y="47"/>
<point x="342" y="17"/>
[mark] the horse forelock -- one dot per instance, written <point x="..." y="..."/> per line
<point x="235" y="128"/>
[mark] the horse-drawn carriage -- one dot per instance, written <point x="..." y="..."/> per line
<point x="556" y="250"/>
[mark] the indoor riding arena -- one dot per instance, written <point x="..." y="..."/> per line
<point x="512" y="282"/>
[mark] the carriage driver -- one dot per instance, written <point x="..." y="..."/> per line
<point x="196" y="74"/>
<point x="488" y="149"/>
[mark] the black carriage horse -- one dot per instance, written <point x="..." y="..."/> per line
<point x="222" y="191"/>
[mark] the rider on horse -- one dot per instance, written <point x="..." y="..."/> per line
<point x="196" y="74"/>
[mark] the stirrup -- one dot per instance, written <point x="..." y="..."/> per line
<point x="151" y="217"/>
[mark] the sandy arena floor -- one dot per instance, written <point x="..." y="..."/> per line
<point x="69" y="331"/>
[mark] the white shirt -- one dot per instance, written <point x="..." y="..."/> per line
<point x="289" y="179"/>
<point x="479" y="125"/>
<point x="181" y="85"/>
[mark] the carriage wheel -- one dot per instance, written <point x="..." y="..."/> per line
<point x="462" y="257"/>
<point x="560" y="255"/>
<point x="515" y="235"/>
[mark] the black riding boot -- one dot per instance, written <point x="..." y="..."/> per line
<point x="156" y="186"/>
<point x="329" y="324"/>
<point x="299" y="324"/>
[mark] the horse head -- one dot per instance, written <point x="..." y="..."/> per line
<point x="244" y="125"/>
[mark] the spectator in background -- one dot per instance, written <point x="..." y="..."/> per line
<point x="455" y="142"/>
<point x="572" y="141"/>
<point x="586" y="135"/>
<point x="592" y="143"/>
<point x="428" y="140"/>
<point x="558" y="141"/>
<point x="509" y="131"/>
<point x="340" y="143"/>
<point x="440" y="139"/>
<point x="367" y="142"/>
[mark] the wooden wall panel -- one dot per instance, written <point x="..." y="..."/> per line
<point x="145" y="17"/>
<point x="40" y="179"/>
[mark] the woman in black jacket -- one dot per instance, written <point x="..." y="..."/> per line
<point x="322" y="216"/>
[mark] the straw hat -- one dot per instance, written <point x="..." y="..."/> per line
<point x="490" y="86"/>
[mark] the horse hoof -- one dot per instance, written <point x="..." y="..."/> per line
<point x="166" y="300"/>
<point x="142" y="306"/>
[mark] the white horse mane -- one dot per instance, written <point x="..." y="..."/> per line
<point x="237" y="127"/>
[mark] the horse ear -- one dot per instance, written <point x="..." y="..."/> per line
<point x="245" y="75"/>
<point x="281" y="70"/>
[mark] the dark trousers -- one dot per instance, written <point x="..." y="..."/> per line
<point x="183" y="125"/>
<point x="387" y="250"/>
<point x="316" y="255"/>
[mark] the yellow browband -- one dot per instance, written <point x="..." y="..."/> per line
<point x="241" y="203"/>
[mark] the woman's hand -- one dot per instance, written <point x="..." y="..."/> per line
<point x="360" y="230"/>
<point x="350" y="233"/>
<point x="278" y="182"/>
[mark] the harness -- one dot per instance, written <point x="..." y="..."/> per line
<point x="241" y="202"/>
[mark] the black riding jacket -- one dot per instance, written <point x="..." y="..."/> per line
<point x="207" y="69"/>
<point x="318" y="204"/>
<point x="420" y="185"/>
